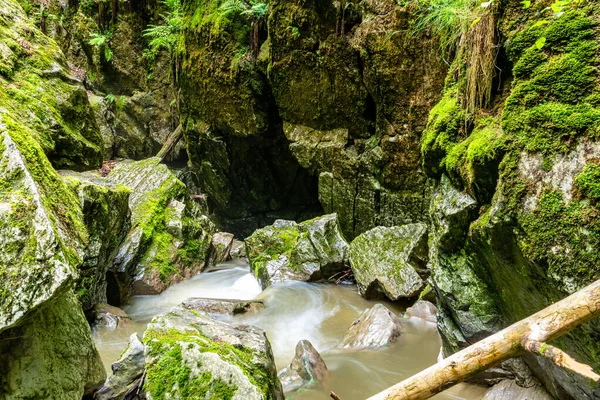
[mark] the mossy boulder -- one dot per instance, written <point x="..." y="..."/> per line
<point x="41" y="92"/>
<point x="308" y="251"/>
<point x="390" y="261"/>
<point x="169" y="238"/>
<point x="189" y="354"/>
<point x="107" y="219"/>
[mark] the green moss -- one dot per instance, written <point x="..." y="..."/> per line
<point x="588" y="182"/>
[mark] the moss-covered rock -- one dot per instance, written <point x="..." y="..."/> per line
<point x="154" y="252"/>
<point x="107" y="218"/>
<point x="311" y="250"/>
<point x="390" y="261"/>
<point x="189" y="354"/>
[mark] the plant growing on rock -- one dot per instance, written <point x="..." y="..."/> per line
<point x="101" y="40"/>
<point x="255" y="11"/>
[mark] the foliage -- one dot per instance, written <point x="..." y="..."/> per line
<point x="101" y="40"/>
<point x="169" y="35"/>
<point x="255" y="11"/>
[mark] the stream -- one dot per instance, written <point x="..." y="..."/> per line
<point x="294" y="311"/>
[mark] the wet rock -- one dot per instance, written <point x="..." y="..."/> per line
<point x="509" y="390"/>
<point x="238" y="249"/>
<point x="188" y="352"/>
<point x="126" y="372"/>
<point x="223" y="306"/>
<point x="306" y="368"/>
<point x="424" y="310"/>
<point x="221" y="247"/>
<point x="376" y="327"/>
<point x="108" y="316"/>
<point x="391" y="261"/>
<point x="169" y="238"/>
<point x="308" y="251"/>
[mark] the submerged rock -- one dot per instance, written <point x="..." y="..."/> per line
<point x="424" y="310"/>
<point x="189" y="354"/>
<point x="391" y="261"/>
<point x="509" y="390"/>
<point x="126" y="372"/>
<point x="309" y="251"/>
<point x="376" y="327"/>
<point x="306" y="368"/>
<point x="222" y="306"/>
<point x="220" y="247"/>
<point x="108" y="316"/>
<point x="169" y="239"/>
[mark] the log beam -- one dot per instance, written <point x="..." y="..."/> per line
<point x="544" y="326"/>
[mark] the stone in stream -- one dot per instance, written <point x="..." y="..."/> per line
<point x="391" y="261"/>
<point x="126" y="372"/>
<point x="238" y="249"/>
<point x="189" y="354"/>
<point x="509" y="390"/>
<point x="170" y="238"/>
<point x="223" y="306"/>
<point x="306" y="368"/>
<point x="376" y="327"/>
<point x="220" y="247"/>
<point x="423" y="309"/>
<point x="308" y="251"/>
<point x="108" y="316"/>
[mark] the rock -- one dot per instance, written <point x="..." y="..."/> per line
<point x="509" y="390"/>
<point x="108" y="316"/>
<point x="223" y="306"/>
<point x="107" y="219"/>
<point x="375" y="327"/>
<point x="424" y="310"/>
<point x="190" y="354"/>
<point x="125" y="372"/>
<point x="391" y="261"/>
<point x="169" y="238"/>
<point x="308" y="251"/>
<point x="221" y="247"/>
<point x="238" y="249"/>
<point x="306" y="368"/>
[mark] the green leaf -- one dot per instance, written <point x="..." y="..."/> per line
<point x="475" y="22"/>
<point x="108" y="53"/>
<point x="540" y="43"/>
<point x="526" y="3"/>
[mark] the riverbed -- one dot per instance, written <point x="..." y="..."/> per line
<point x="320" y="313"/>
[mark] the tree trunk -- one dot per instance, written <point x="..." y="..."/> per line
<point x="528" y="335"/>
<point x="170" y="143"/>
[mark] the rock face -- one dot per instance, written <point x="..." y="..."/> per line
<point x="109" y="316"/>
<point x="424" y="310"/>
<point x="169" y="238"/>
<point x="306" y="368"/>
<point x="376" y="327"/>
<point x="126" y="372"/>
<point x="509" y="390"/>
<point x="311" y="250"/>
<point x="222" y="306"/>
<point x="391" y="261"/>
<point x="189" y="354"/>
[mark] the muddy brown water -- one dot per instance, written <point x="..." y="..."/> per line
<point x="294" y="311"/>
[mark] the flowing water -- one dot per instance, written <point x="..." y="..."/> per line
<point x="294" y="311"/>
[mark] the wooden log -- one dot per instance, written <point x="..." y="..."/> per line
<point x="560" y="358"/>
<point x="544" y="326"/>
<point x="170" y="143"/>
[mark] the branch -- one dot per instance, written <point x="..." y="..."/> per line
<point x="560" y="358"/>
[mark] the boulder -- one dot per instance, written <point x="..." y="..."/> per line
<point x="424" y="310"/>
<point x="391" y="261"/>
<point x="376" y="327"/>
<point x="307" y="367"/>
<point x="222" y="306"/>
<point x="108" y="316"/>
<point x="107" y="218"/>
<point x="126" y="372"/>
<point x="169" y="238"/>
<point x="190" y="354"/>
<point x="220" y="247"/>
<point x="238" y="249"/>
<point x="309" y="251"/>
<point x="509" y="390"/>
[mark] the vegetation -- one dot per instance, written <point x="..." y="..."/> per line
<point x="255" y="11"/>
<point x="101" y="41"/>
